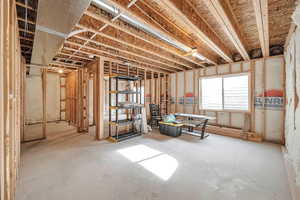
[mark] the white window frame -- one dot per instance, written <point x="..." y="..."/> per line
<point x="225" y="76"/>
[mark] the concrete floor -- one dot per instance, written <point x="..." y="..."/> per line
<point x="72" y="166"/>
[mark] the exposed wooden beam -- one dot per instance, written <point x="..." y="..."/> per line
<point x="104" y="26"/>
<point x="25" y="6"/>
<point x="27" y="46"/>
<point x="135" y="46"/>
<point x="26" y="31"/>
<point x="25" y="38"/>
<point x="105" y="53"/>
<point x="66" y="64"/>
<point x="75" y="56"/>
<point x="130" y="53"/>
<point x="26" y="21"/>
<point x="142" y="36"/>
<point x="140" y="66"/>
<point x="222" y="11"/>
<point x="198" y="27"/>
<point x="64" y="60"/>
<point x="176" y="38"/>
<point x="262" y="22"/>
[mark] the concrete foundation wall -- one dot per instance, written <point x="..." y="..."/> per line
<point x="292" y="120"/>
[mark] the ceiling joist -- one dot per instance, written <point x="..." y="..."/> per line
<point x="262" y="21"/>
<point x="26" y="31"/>
<point x="25" y="6"/>
<point x="198" y="27"/>
<point x="136" y="46"/>
<point x="223" y="14"/>
<point x="144" y="37"/>
<point x="109" y="46"/>
<point x="105" y="53"/>
<point x="176" y="38"/>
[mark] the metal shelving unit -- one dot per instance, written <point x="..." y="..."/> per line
<point x="132" y="111"/>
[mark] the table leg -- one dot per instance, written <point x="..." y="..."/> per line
<point x="203" y="128"/>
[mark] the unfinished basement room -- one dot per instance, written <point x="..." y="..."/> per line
<point x="149" y="99"/>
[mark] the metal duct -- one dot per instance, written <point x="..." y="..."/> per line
<point x="55" y="20"/>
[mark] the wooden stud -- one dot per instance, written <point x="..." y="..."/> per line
<point x="283" y="65"/>
<point x="253" y="94"/>
<point x="100" y="93"/>
<point x="264" y="106"/>
<point x="176" y="93"/>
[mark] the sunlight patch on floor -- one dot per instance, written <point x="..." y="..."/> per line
<point x="158" y="163"/>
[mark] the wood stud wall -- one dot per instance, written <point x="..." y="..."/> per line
<point x="11" y="104"/>
<point x="249" y="124"/>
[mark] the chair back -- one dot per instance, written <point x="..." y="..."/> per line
<point x="154" y="110"/>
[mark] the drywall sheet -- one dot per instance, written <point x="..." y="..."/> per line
<point x="53" y="97"/>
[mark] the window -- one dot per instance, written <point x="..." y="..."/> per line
<point x="212" y="93"/>
<point x="225" y="93"/>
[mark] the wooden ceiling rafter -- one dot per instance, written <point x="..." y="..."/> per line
<point x="127" y="52"/>
<point x="148" y="14"/>
<point x="262" y="22"/>
<point x="162" y="16"/>
<point x="105" y="25"/>
<point x="25" y="6"/>
<point x="198" y="27"/>
<point x="188" y="43"/>
<point x="222" y="12"/>
<point x="101" y="53"/>
<point x="26" y="21"/>
<point x="136" y="47"/>
<point x="75" y="56"/>
<point x="26" y="31"/>
<point x="27" y="46"/>
<point x="66" y="64"/>
<point x="63" y="58"/>
<point x="141" y="67"/>
<point x="74" y="62"/>
<point x="26" y="38"/>
<point x="146" y="38"/>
